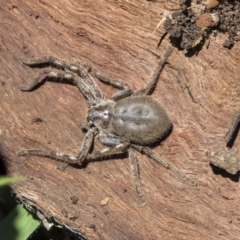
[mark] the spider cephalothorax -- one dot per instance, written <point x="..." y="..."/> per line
<point x="101" y="115"/>
<point x="129" y="120"/>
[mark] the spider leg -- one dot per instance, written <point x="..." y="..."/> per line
<point x="124" y="87"/>
<point x="79" y="159"/>
<point x="54" y="62"/>
<point x="232" y="130"/>
<point x="81" y="70"/>
<point x="61" y="76"/>
<point x="116" y="145"/>
<point x="159" y="159"/>
<point x="119" y="145"/>
<point x="155" y="74"/>
<point x="135" y="171"/>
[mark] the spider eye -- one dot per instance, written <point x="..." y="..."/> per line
<point x="99" y="116"/>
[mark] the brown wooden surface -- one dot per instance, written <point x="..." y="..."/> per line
<point x="117" y="38"/>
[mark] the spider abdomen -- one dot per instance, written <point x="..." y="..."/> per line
<point x="140" y="119"/>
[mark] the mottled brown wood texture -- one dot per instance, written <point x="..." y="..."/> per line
<point x="118" y="38"/>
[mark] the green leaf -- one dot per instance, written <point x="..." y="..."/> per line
<point x="18" y="225"/>
<point x="8" y="180"/>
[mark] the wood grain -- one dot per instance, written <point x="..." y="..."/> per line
<point x="200" y="94"/>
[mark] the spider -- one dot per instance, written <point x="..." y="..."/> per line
<point x="128" y="120"/>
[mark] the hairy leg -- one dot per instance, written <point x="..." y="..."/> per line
<point x="151" y="154"/>
<point x="79" y="159"/>
<point x="155" y="74"/>
<point x="54" y="62"/>
<point x="124" y="87"/>
<point x="116" y="145"/>
<point x="81" y="70"/>
<point x="61" y="76"/>
<point x="135" y="171"/>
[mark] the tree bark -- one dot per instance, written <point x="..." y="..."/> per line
<point x="200" y="94"/>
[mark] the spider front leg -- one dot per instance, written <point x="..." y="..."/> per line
<point x="71" y="73"/>
<point x="81" y="70"/>
<point x="54" y="62"/>
<point x="61" y="76"/>
<point x="79" y="159"/>
<point x="124" y="87"/>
